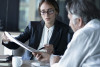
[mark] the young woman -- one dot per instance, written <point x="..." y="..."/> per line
<point x="49" y="33"/>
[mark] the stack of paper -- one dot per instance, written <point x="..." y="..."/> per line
<point x="5" y="64"/>
<point x="4" y="60"/>
<point x="4" y="57"/>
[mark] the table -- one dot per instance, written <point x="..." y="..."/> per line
<point x="27" y="63"/>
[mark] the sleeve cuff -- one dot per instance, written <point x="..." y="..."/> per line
<point x="54" y="65"/>
<point x="5" y="42"/>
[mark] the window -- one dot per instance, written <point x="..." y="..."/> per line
<point x="63" y="12"/>
<point x="28" y="11"/>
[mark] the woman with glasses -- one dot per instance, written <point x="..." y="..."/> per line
<point x="48" y="33"/>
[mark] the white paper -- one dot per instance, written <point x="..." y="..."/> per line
<point x="20" y="43"/>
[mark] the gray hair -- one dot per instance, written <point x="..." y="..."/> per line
<point x="84" y="9"/>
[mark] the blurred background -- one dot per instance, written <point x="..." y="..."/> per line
<point x="16" y="14"/>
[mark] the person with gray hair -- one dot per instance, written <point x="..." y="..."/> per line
<point x="84" y="48"/>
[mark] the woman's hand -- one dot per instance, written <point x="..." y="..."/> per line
<point x="42" y="56"/>
<point x="5" y="39"/>
<point x="49" y="48"/>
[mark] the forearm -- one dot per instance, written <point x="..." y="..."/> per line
<point x="10" y="45"/>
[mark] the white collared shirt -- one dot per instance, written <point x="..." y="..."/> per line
<point x="46" y="35"/>
<point x="84" y="48"/>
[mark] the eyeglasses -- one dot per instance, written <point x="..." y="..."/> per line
<point x="49" y="11"/>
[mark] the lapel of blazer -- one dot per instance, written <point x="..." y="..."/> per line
<point x="56" y="33"/>
<point x="39" y="33"/>
<point x="40" y="29"/>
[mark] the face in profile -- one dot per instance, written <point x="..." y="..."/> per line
<point x="48" y="13"/>
<point x="74" y="23"/>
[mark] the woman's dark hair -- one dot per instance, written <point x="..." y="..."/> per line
<point x="84" y="9"/>
<point x="51" y="2"/>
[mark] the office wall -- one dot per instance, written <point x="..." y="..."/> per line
<point x="3" y="6"/>
<point x="9" y="13"/>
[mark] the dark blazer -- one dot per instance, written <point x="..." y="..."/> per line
<point x="33" y="33"/>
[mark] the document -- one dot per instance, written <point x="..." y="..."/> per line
<point x="4" y="57"/>
<point x="21" y="44"/>
<point x="7" y="64"/>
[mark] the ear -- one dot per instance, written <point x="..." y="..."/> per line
<point x="80" y="22"/>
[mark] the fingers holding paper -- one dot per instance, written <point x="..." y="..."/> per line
<point x="5" y="39"/>
<point x="45" y="55"/>
<point x="42" y="56"/>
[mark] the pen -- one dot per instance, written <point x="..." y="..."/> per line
<point x="41" y="48"/>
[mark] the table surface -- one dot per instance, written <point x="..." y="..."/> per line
<point x="28" y="63"/>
